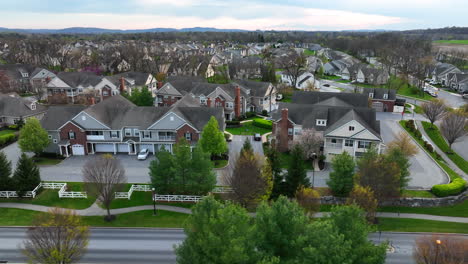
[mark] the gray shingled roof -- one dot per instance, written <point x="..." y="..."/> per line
<point x="199" y="116"/>
<point x="140" y="78"/>
<point x="57" y="116"/>
<point x="379" y="93"/>
<point x="18" y="107"/>
<point x="256" y="88"/>
<point x="84" y="79"/>
<point x="354" y="99"/>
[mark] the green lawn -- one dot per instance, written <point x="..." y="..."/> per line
<point x="165" y="219"/>
<point x="49" y="197"/>
<point x="453" y="41"/>
<point x="285" y="159"/>
<point x="247" y="129"/>
<point x="407" y="91"/>
<point x="143" y="198"/>
<point x="309" y="52"/>
<point x="7" y="132"/>
<point x="417" y="225"/>
<point x="219" y="163"/>
<point x="286" y="98"/>
<point x="2" y="61"/>
<point x="330" y="77"/>
<point x="437" y="138"/>
<point x="42" y="161"/>
<point x="343" y="81"/>
<point x="418" y="193"/>
<point x="458" y="210"/>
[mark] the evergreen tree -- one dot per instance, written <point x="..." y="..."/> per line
<point x="202" y="178"/>
<point x="297" y="174"/>
<point x="32" y="137"/>
<point x="5" y="173"/>
<point x="162" y="172"/>
<point x="212" y="139"/>
<point x="341" y="178"/>
<point x="273" y="158"/>
<point x="247" y="147"/>
<point x="397" y="156"/>
<point x="26" y="176"/>
<point x="183" y="164"/>
<point x="145" y="97"/>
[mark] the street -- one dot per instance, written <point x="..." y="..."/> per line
<point x="132" y="245"/>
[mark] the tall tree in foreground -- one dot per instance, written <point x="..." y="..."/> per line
<point x="273" y="158"/>
<point x="297" y="174"/>
<point x="202" y="177"/>
<point x="434" y="110"/>
<point x="162" y="172"/>
<point x="341" y="178"/>
<point x="440" y="249"/>
<point x="103" y="176"/>
<point x="58" y="237"/>
<point x="212" y="139"/>
<point x="364" y="198"/>
<point x="453" y="127"/>
<point x="26" y="176"/>
<point x="5" y="173"/>
<point x="403" y="142"/>
<point x="309" y="199"/>
<point x="32" y="137"/>
<point x="396" y="156"/>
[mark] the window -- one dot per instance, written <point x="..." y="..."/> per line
<point x="105" y="93"/>
<point x="371" y="95"/>
<point x="33" y="106"/>
<point x="136" y="132"/>
<point x="128" y="132"/>
<point x="349" y="143"/>
<point x="94" y="133"/>
<point x="351" y="128"/>
<point x="83" y="117"/>
<point x="321" y="122"/>
<point x="261" y="101"/>
<point x="203" y="101"/>
<point x="55" y="140"/>
<point x="385" y="96"/>
<point x="146" y="134"/>
<point x="50" y="137"/>
<point x="364" y="144"/>
<point x="188" y="136"/>
<point x="290" y="131"/>
<point x="297" y="131"/>
<point x="171" y="118"/>
<point x="71" y="135"/>
<point x="333" y="140"/>
<point x="114" y="134"/>
<point x="229" y="105"/>
<point x="165" y="97"/>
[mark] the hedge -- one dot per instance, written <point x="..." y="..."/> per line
<point x="267" y="124"/>
<point x="453" y="188"/>
<point x="233" y="123"/>
<point x="5" y="139"/>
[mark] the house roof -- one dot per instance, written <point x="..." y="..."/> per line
<point x="379" y="93"/>
<point x="258" y="89"/>
<point x="57" y="116"/>
<point x="18" y="107"/>
<point x="139" y="78"/>
<point x="84" y="79"/>
<point x="353" y="99"/>
<point x="15" y="70"/>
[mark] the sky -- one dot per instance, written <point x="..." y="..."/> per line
<point x="235" y="14"/>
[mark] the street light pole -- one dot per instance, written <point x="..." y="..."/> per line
<point x="313" y="169"/>
<point x="438" y="242"/>
<point x="153" y="191"/>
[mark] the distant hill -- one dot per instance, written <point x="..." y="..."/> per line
<point x="91" y="30"/>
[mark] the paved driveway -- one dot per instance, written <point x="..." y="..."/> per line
<point x="461" y="147"/>
<point x="13" y="154"/>
<point x="70" y="169"/>
<point x="424" y="171"/>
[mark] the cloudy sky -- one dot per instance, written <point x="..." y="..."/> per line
<point x="234" y="14"/>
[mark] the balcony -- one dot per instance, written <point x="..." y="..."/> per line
<point x="90" y="137"/>
<point x="166" y="138"/>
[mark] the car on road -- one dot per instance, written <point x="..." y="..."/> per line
<point x="257" y="137"/>
<point x="433" y="93"/>
<point x="326" y="85"/>
<point x="143" y="154"/>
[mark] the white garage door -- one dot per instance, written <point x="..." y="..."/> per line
<point x="122" y="147"/>
<point x="104" y="148"/>
<point x="378" y="106"/>
<point x="146" y="146"/>
<point x="78" y="150"/>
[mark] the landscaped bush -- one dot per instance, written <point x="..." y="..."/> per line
<point x="233" y="123"/>
<point x="6" y="139"/>
<point x="250" y="114"/>
<point x="417" y="133"/>
<point x="264" y="113"/>
<point x="267" y="124"/>
<point x="13" y="127"/>
<point x="453" y="188"/>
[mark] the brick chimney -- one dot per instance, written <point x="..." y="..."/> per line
<point x="122" y="84"/>
<point x="282" y="129"/>
<point x="47" y="79"/>
<point x="92" y="100"/>
<point x="237" y="103"/>
<point x="159" y="85"/>
<point x="208" y="102"/>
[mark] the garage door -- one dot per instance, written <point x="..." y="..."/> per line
<point x="104" y="148"/>
<point x="78" y="150"/>
<point x="122" y="148"/>
<point x="146" y="146"/>
<point x="378" y="106"/>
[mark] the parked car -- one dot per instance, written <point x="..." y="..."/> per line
<point x="257" y="137"/>
<point x="465" y="95"/>
<point x="433" y="93"/>
<point x="279" y="97"/>
<point x="326" y="85"/>
<point x="143" y="154"/>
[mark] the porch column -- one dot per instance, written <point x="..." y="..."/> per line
<point x="154" y="150"/>
<point x="115" y="149"/>
<point x="60" y="148"/>
<point x="355" y="145"/>
<point x="66" y="150"/>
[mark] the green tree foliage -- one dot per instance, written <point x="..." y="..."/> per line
<point x="217" y="233"/>
<point x="297" y="174"/>
<point x="395" y="155"/>
<point x="341" y="178"/>
<point x="141" y="97"/>
<point x="396" y="83"/>
<point x="351" y="223"/>
<point x="32" y="137"/>
<point x="247" y="147"/>
<point x="5" y="173"/>
<point x="212" y="139"/>
<point x="184" y="172"/>
<point x="273" y="158"/>
<point x="26" y="176"/>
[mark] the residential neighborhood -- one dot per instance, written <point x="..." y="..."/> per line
<point x="214" y="132"/>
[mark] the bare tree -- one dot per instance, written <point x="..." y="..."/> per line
<point x="434" y="110"/>
<point x="441" y="249"/>
<point x="103" y="176"/>
<point x="453" y="127"/>
<point x="293" y="65"/>
<point x="403" y="142"/>
<point x="58" y="237"/>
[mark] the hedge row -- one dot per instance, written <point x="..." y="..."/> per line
<point x="234" y="123"/>
<point x="267" y="124"/>
<point x="455" y="187"/>
<point x="6" y="139"/>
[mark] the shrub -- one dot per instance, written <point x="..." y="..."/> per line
<point x="417" y="134"/>
<point x="250" y="114"/>
<point x="226" y="136"/>
<point x="410" y="124"/>
<point x="5" y="139"/>
<point x="263" y="123"/>
<point x="264" y="113"/>
<point x="453" y="188"/>
<point x="233" y="123"/>
<point x="438" y="156"/>
<point x="13" y="127"/>
<point x="429" y="148"/>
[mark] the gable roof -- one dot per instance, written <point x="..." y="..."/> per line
<point x="57" y="116"/>
<point x="258" y="89"/>
<point x="353" y="99"/>
<point x="18" y="107"/>
<point x="139" y="78"/>
<point x="84" y="79"/>
<point x="379" y="93"/>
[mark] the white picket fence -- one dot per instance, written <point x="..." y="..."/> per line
<point x="134" y="187"/>
<point x="222" y="189"/>
<point x="46" y="185"/>
<point x="14" y="194"/>
<point x="64" y="194"/>
<point x="177" y="198"/>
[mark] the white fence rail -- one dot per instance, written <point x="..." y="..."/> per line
<point x="177" y="198"/>
<point x="64" y="194"/>
<point x="222" y="189"/>
<point x="14" y="194"/>
<point x="133" y="188"/>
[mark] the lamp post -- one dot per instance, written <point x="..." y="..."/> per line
<point x="314" y="155"/>
<point x="153" y="191"/>
<point x="438" y="243"/>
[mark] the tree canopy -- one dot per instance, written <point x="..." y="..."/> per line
<point x="212" y="139"/>
<point x="32" y="137"/>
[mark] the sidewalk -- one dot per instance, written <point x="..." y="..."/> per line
<point x="95" y="210"/>
<point x="450" y="163"/>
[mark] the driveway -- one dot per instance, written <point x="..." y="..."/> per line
<point x="70" y="169"/>
<point x="461" y="147"/>
<point x="424" y="171"/>
<point x="13" y="154"/>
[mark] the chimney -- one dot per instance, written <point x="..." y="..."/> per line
<point x="92" y="100"/>
<point x="159" y="85"/>
<point x="208" y="102"/>
<point x="237" y="103"/>
<point x="122" y="84"/>
<point x="47" y="79"/>
<point x="283" y="131"/>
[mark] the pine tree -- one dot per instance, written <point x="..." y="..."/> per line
<point x="5" y="173"/>
<point x="273" y="159"/>
<point x="297" y="174"/>
<point x="247" y="147"/>
<point x="26" y="176"/>
<point x="202" y="178"/>
<point x="162" y="172"/>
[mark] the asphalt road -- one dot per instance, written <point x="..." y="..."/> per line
<point x="111" y="245"/>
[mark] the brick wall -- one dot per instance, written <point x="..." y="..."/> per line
<point x="80" y="136"/>
<point x="180" y="133"/>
